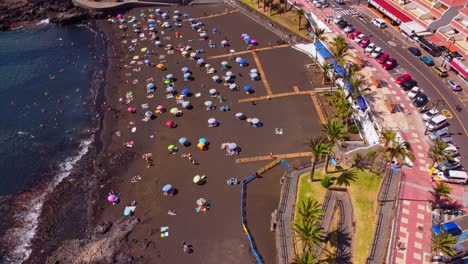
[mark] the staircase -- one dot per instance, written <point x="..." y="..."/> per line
<point x="445" y="19"/>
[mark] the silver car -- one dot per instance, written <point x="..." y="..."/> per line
<point x="376" y="52"/>
<point x="454" y="85"/>
<point x="370" y="47"/>
<point x="449" y="164"/>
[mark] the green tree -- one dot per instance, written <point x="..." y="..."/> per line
<point x="355" y="91"/>
<point x="310" y="210"/>
<point x="320" y="148"/>
<point x="309" y="233"/>
<point x="300" y="13"/>
<point x="305" y="258"/>
<point x="334" y="133"/>
<point x="319" y="35"/>
<point x="438" y="152"/>
<point x="326" y="69"/>
<point x="439" y="191"/>
<point x="442" y="243"/>
<point x="388" y="137"/>
<point x="400" y="151"/>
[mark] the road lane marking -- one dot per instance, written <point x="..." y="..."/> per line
<point x="316" y="103"/>
<point x="267" y="97"/>
<point x="247" y="51"/>
<point x="424" y="76"/>
<point x="447" y="113"/>
<point x="262" y="73"/>
<point x="296" y="89"/>
<point x="277" y="156"/>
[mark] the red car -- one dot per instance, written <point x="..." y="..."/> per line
<point x="390" y="64"/>
<point x="364" y="42"/>
<point x="383" y="58"/>
<point x="354" y="34"/>
<point x="404" y="78"/>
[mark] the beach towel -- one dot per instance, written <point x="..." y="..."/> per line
<point x="164" y="231"/>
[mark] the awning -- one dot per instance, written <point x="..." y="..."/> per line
<point x="390" y="11"/>
<point x="341" y="72"/>
<point x="322" y="50"/>
<point x="459" y="68"/>
<point x="412" y="27"/>
<point x="451" y="47"/>
<point x="435" y="39"/>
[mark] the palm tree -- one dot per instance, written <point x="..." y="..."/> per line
<point x="333" y="129"/>
<point x="310" y="210"/>
<point x="352" y="70"/>
<point x="285" y="6"/>
<point x="340" y="54"/>
<point x="320" y="148"/>
<point x="356" y="90"/>
<point x="300" y="13"/>
<point x="339" y="43"/>
<point x="388" y="137"/>
<point x="439" y="191"/>
<point x="326" y="69"/>
<point x="400" y="151"/>
<point x="319" y="35"/>
<point x="305" y="258"/>
<point x="442" y="243"/>
<point x="438" y="152"/>
<point x="309" y="233"/>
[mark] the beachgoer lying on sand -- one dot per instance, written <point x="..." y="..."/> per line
<point x="171" y="212"/>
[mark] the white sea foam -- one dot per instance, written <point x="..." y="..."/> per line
<point x="22" y="234"/>
<point x="43" y="22"/>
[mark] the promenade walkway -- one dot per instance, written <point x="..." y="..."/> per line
<point x="104" y="5"/>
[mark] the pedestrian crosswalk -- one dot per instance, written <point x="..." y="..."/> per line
<point x="345" y="12"/>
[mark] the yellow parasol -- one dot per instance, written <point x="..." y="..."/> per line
<point x="136" y="57"/>
<point x="160" y="66"/>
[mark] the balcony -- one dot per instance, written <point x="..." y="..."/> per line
<point x="416" y="9"/>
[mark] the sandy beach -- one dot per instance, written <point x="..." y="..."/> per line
<point x="216" y="235"/>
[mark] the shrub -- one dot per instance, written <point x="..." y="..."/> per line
<point x="353" y="129"/>
<point x="326" y="182"/>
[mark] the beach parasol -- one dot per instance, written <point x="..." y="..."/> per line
<point x="158" y="43"/>
<point x="148" y="114"/>
<point x="255" y="121"/>
<point x="167" y="81"/>
<point x="242" y="61"/>
<point x="203" y="140"/>
<point x="253" y="71"/>
<point x="203" y="35"/>
<point x="200" y="61"/>
<point x="160" y="107"/>
<point x="160" y="65"/>
<point x="212" y="91"/>
<point x="238" y="59"/>
<point x="215" y="30"/>
<point x="150" y="86"/>
<point x="239" y="115"/>
<point x="196" y="179"/>
<point x="171" y="147"/>
<point x="169" y="76"/>
<point x="211" y="121"/>
<point x="170" y="89"/>
<point x="143" y="49"/>
<point x="174" y="110"/>
<point x="193" y="55"/>
<point x="253" y="41"/>
<point x="187" y="75"/>
<point x="247" y="88"/>
<point x="229" y="74"/>
<point x="185" y="91"/>
<point x="135" y="57"/>
<point x="147" y="62"/>
<point x="131" y="109"/>
<point x="191" y="20"/>
<point x="184" y="53"/>
<point x="193" y="26"/>
<point x="233" y="86"/>
<point x="185" y="69"/>
<point x="249" y="120"/>
<point x="157" y="11"/>
<point x="224" y="63"/>
<point x="167" y="188"/>
<point x="201" y="145"/>
<point x="185" y="104"/>
<point x="254" y="76"/>
<point x="120" y="16"/>
<point x="170" y="123"/>
<point x="127" y="211"/>
<point x="207" y="65"/>
<point x="215" y="78"/>
<point x="183" y="141"/>
<point x="201" y="201"/>
<point x="111" y="198"/>
<point x="232" y="146"/>
<point x="208" y="103"/>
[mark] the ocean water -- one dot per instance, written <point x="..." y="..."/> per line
<point x="49" y="79"/>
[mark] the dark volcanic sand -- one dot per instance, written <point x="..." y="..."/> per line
<point x="217" y="236"/>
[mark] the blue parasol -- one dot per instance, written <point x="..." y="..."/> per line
<point x="202" y="140"/>
<point x="186" y="75"/>
<point x="200" y="61"/>
<point x="248" y="88"/>
<point x="147" y="61"/>
<point x="149" y="114"/>
<point x="183" y="141"/>
<point x="185" y="69"/>
<point x="167" y="188"/>
<point x="242" y="61"/>
<point x="185" y="91"/>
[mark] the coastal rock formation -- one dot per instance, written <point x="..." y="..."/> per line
<point x="108" y="245"/>
<point x="15" y="13"/>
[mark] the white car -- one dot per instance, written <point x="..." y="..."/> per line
<point x="378" y="22"/>
<point x="414" y="92"/>
<point x="370" y="47"/>
<point x="348" y="29"/>
<point x="359" y="38"/>
<point x="376" y="52"/>
<point x="337" y="19"/>
<point x="430" y="114"/>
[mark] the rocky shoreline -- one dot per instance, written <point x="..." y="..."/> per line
<point x="16" y="14"/>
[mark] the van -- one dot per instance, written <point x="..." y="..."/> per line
<point x="378" y="22"/>
<point x="441" y="72"/>
<point x="436" y="123"/>
<point x="453" y="176"/>
<point x="439" y="134"/>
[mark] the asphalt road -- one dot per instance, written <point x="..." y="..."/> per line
<point x="393" y="43"/>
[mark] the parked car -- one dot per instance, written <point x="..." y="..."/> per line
<point x="376" y="52"/>
<point x="454" y="85"/>
<point x="340" y="2"/>
<point x="415" y="51"/>
<point x="430" y="114"/>
<point x="441" y="72"/>
<point x="337" y="19"/>
<point x="359" y="37"/>
<point x="348" y="29"/>
<point x="453" y="176"/>
<point x="364" y="42"/>
<point x="427" y="60"/>
<point x="451" y="228"/>
<point x="408" y="85"/>
<point x="421" y="100"/>
<point x="449" y="165"/>
<point x="452" y="150"/>
<point x="439" y="134"/>
<point x="448" y="140"/>
<point x="354" y="34"/>
<point x="342" y="24"/>
<point x="383" y="58"/>
<point x="435" y="123"/>
<point x="403" y="78"/>
<point x="414" y="92"/>
<point x="390" y="64"/>
<point x="378" y="22"/>
<point x="370" y="47"/>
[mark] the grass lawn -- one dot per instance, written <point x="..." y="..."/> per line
<point x="363" y="188"/>
<point x="288" y="20"/>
